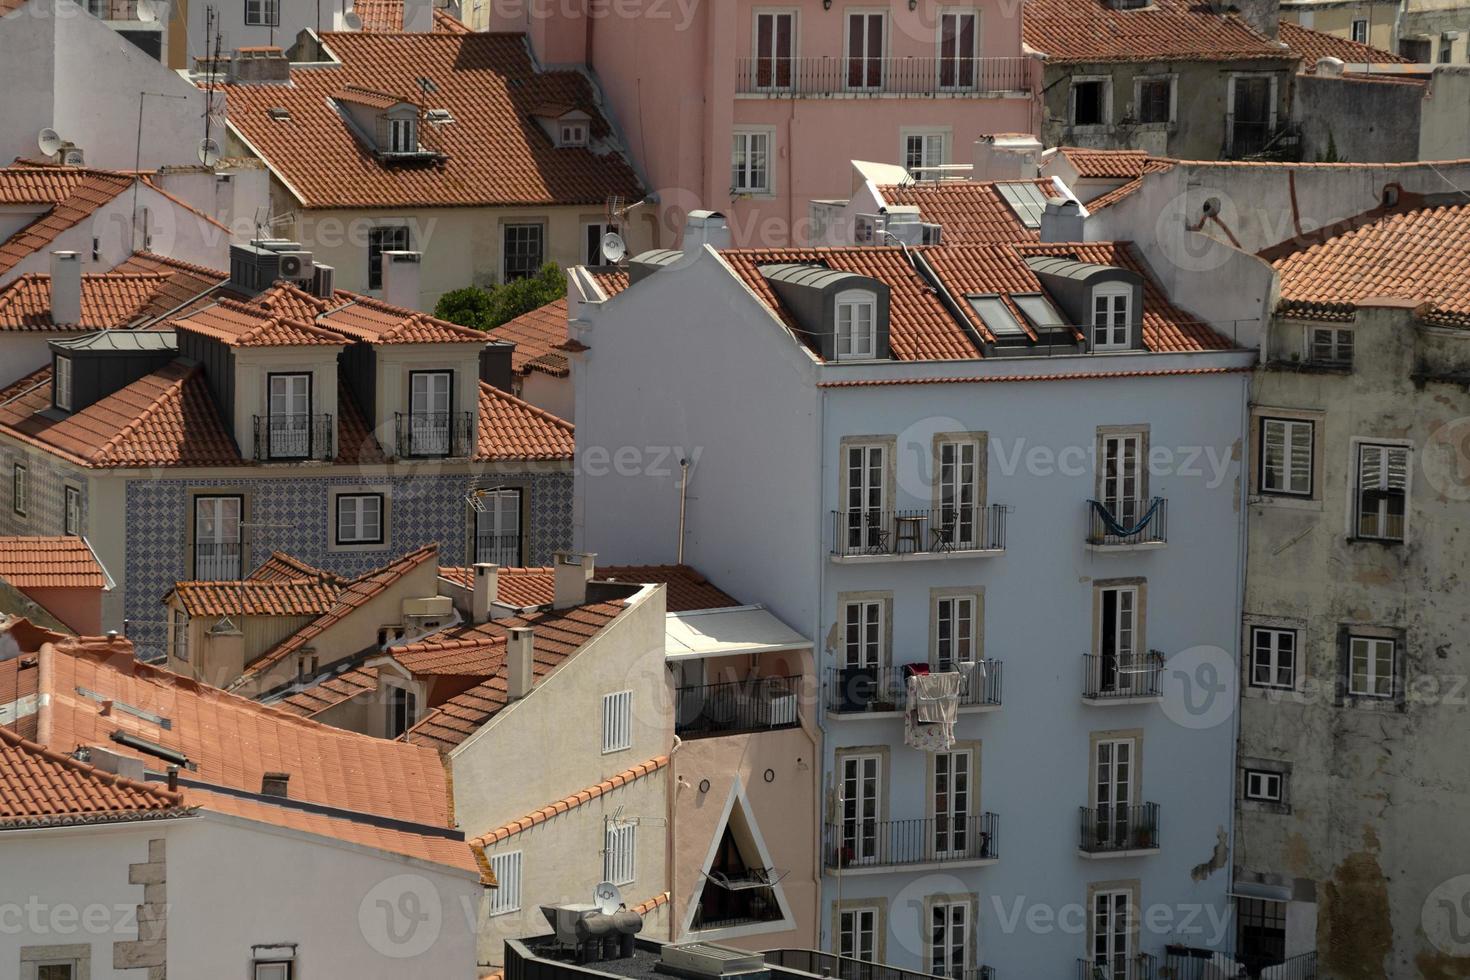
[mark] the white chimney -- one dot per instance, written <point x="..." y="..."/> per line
<point x="1062" y="221"/>
<point x="66" y="287"/>
<point x="703" y="228"/>
<point x="418" y="16"/>
<point x="520" y="659"/>
<point x="1006" y="156"/>
<point x="573" y="571"/>
<point x="401" y="278"/>
<point x="486" y="589"/>
<point x="1330" y="67"/>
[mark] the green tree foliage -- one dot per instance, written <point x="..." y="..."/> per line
<point x="474" y="306"/>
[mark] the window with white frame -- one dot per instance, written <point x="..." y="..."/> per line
<point x="73" y="515"/>
<point x="1112" y="311"/>
<point x="403" y="135"/>
<point x="857" y="934"/>
<point x="1263" y="786"/>
<point x="1382" y="492"/>
<point x="1286" y="456"/>
<point x="949" y="935"/>
<point x="857" y="314"/>
<point x="274" y="970"/>
<point x="19" y="489"/>
<point x="506" y="896"/>
<point x="1112" y="934"/>
<point x="1153" y="99"/>
<point x="954" y="631"/>
<point x="1273" y="657"/>
<point x="360" y="518"/>
<point x="617" y="721"/>
<point x="263" y="13"/>
<point x="619" y="848"/>
<point x="572" y="133"/>
<point x="959" y="42"/>
<point x="866" y="474"/>
<point x="1360" y="30"/>
<point x="924" y="151"/>
<point x="865" y="47"/>
<point x="62" y="383"/>
<point x="775" y="49"/>
<point x="1372" y="661"/>
<point x="179" y="626"/>
<point x="1091" y="101"/>
<point x="1331" y="346"/>
<point x="750" y="162"/>
<point x="863" y="634"/>
<point x="402" y="709"/>
<point x="952" y="774"/>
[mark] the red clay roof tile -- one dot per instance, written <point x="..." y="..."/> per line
<point x="687" y="588"/>
<point x="1312" y="46"/>
<point x="571" y="802"/>
<point x="49" y="563"/>
<point x="109" y="299"/>
<point x="536" y="335"/>
<point x="513" y="429"/>
<point x="255" y="597"/>
<point x="42" y="788"/>
<point x="969" y="211"/>
<point x="1070" y="31"/>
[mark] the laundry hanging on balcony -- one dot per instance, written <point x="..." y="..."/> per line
<point x="1111" y="523"/>
<point x="932" y="706"/>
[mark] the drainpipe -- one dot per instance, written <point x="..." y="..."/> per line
<point x="683" y="498"/>
<point x="818" y="651"/>
<point x="1243" y="557"/>
<point x="672" y="806"/>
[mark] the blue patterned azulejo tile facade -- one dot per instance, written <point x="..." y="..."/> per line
<point x="293" y="514"/>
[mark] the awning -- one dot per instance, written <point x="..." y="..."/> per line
<point x="1256" y="890"/>
<point x="727" y="632"/>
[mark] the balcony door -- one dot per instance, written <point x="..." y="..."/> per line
<point x="959" y="494"/>
<point x="866" y="527"/>
<point x="775" y="49"/>
<point x="290" y="416"/>
<point x="958" y="44"/>
<point x="1118" y="662"/>
<point x="1252" y="111"/>
<point x="1113" y="789"/>
<point x="865" y="44"/>
<point x="1112" y="934"/>
<point x="498" y="528"/>
<point x="217" y="538"/>
<point x="861" y="783"/>
<point x="1121" y="490"/>
<point x="429" y="412"/>
<point x="949" y="937"/>
<point x="952" y="803"/>
<point x="954" y="632"/>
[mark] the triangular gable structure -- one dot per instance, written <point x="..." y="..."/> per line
<point x="737" y="863"/>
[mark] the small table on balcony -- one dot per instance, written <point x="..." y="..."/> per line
<point x="910" y="529"/>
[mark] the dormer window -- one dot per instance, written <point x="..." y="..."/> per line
<point x="572" y="134"/>
<point x="1112" y="312"/>
<point x="856" y="319"/>
<point x="403" y="136"/>
<point x="61" y="384"/>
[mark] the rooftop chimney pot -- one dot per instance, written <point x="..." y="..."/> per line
<point x="520" y="659"/>
<point x="573" y="571"/>
<point x="66" y="287"/>
<point x="1006" y="156"/>
<point x="485" y="591"/>
<point x="401" y="278"/>
<point x="1062" y="221"/>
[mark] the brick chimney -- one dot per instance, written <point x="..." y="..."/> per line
<point x="520" y="659"/>
<point x="401" y="278"/>
<point x="573" y="572"/>
<point x="259" y="64"/>
<point x="485" y="591"/>
<point x="66" y="287"/>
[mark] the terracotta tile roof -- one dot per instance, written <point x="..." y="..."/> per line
<point x="1119" y="164"/>
<point x="27" y="183"/>
<point x="1166" y="30"/>
<point x="42" y="788"/>
<point x="970" y="211"/>
<point x="610" y="281"/>
<point x="567" y="803"/>
<point x="920" y="328"/>
<point x="513" y="429"/>
<point x="332" y="691"/>
<point x="688" y="590"/>
<point x="252" y="597"/>
<point x="481" y="650"/>
<point x="386" y="17"/>
<point x="1421" y="255"/>
<point x="495" y="154"/>
<point x="166" y="418"/>
<point x="372" y="320"/>
<point x="354" y="782"/>
<point x="643" y="908"/>
<point x="20" y="677"/>
<point x="535" y="335"/>
<point x="358" y="95"/>
<point x="356" y="443"/>
<point x="1311" y="46"/>
<point x="182" y="287"/>
<point x="358" y="593"/>
<point x="83" y="197"/>
<point x="49" y="563"/>
<point x="109" y="299"/>
<point x="1014" y="378"/>
<point x="1151" y="166"/>
<point x="1001" y="269"/>
<point x="246" y="325"/>
<point x="281" y="567"/>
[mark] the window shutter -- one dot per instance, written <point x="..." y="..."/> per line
<point x="507" y="870"/>
<point x="620" y="842"/>
<point x="617" y="721"/>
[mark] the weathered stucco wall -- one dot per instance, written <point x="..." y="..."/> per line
<point x="1358" y="119"/>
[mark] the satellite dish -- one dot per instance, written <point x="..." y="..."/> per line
<point x="352" y="21"/>
<point x="208" y="152"/>
<point x="607" y="897"/>
<point x="49" y="141"/>
<point x="613" y="247"/>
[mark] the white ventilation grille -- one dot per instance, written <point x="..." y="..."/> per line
<point x="618" y="859"/>
<point x="507" y="869"/>
<point x="617" y="721"/>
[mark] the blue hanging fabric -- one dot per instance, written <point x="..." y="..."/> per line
<point x="1114" y="527"/>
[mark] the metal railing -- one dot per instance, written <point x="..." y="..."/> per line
<point x="942" y="530"/>
<point x="434" y="434"/>
<point x="889" y="843"/>
<point x="752" y="705"/>
<point x="1141" y="522"/>
<point x="293" y="437"/>
<point x="1111" y="676"/>
<point x="500" y="549"/>
<point x="111" y="9"/>
<point x="1113" y="827"/>
<point x="1140" y="966"/>
<point x="851" y="968"/>
<point x="1192" y="963"/>
<point x="854" y="689"/>
<point x="216" y="561"/>
<point x="838" y="75"/>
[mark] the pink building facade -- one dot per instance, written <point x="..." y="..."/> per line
<point x="755" y="109"/>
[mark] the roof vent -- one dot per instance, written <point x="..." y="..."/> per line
<point x="706" y="961"/>
<point x="279" y="113"/>
<point x="274" y="784"/>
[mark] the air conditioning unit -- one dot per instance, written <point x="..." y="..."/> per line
<point x="296" y="265"/>
<point x="932" y="233"/>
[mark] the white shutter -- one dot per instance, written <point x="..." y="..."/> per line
<point x="617" y="721"/>
<point x="507" y="870"/>
<point x="620" y="841"/>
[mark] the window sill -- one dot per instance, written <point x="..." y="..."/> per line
<point x="1381" y="542"/>
<point x="1108" y="855"/>
<point x="1285" y="502"/>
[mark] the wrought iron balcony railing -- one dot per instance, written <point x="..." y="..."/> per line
<point x="891" y="843"/>
<point x="854" y="689"/>
<point x="434" y="434"/>
<point x="217" y="561"/>
<point x="1109" y="675"/>
<point x="293" y="437"/>
<point x="755" y="704"/>
<point x="1113" y="827"/>
<point x="1130" y="522"/>
<point x="499" y="549"/>
<point x="841" y="76"/>
<point x="1140" y="966"/>
<point x="851" y="968"/>
<point x="940" y="531"/>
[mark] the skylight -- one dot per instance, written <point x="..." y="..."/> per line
<point x="1026" y="199"/>
<point x="1037" y="309"/>
<point x="996" y="316"/>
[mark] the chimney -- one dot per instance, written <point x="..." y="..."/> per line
<point x="1264" y="16"/>
<point x="66" y="287"/>
<point x="1330" y="67"/>
<point x="520" y="650"/>
<point x="1006" y="156"/>
<point x="274" y="783"/>
<point x="705" y="228"/>
<point x="259" y="64"/>
<point x="1061" y="221"/>
<point x="401" y="278"/>
<point x="485" y="592"/>
<point x="418" y="16"/>
<point x="573" y="571"/>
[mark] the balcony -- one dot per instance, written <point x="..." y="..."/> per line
<point x="1188" y="963"/>
<point x="293" y="437"/>
<point x="499" y="549"/>
<point x="867" y="691"/>
<point x="431" y="435"/>
<point x="873" y="535"/>
<point x="1129" y="679"/>
<point x="851" y="968"/>
<point x="1140" y="966"/>
<point x="1119" y="831"/>
<point x="859" y="846"/>
<point x="756" y="704"/>
<point x="1137" y="528"/>
<point x="840" y="77"/>
<point x="217" y="561"/>
<point x="112" y="10"/>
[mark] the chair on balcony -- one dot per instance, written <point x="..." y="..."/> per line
<point x="942" y="538"/>
<point x="875" y="537"/>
